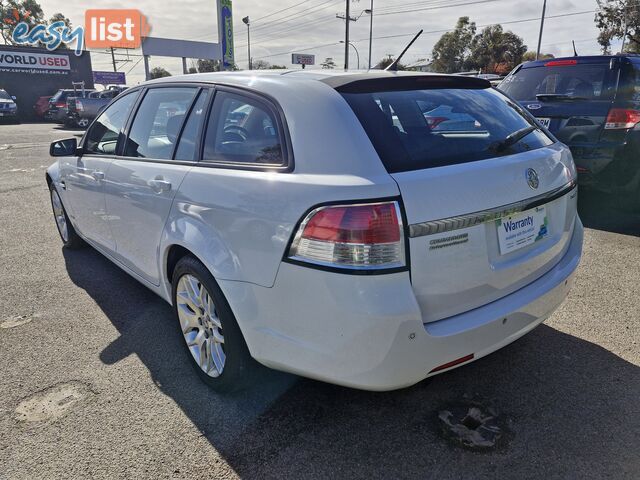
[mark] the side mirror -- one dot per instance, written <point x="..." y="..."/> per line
<point x="64" y="148"/>
<point x="13" y="97"/>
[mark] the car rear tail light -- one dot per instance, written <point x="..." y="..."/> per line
<point x="79" y="106"/>
<point x="357" y="237"/>
<point x="61" y="104"/>
<point x="622" y="118"/>
<point x="560" y="63"/>
<point x="454" y="363"/>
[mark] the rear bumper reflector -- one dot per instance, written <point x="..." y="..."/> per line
<point x="472" y="219"/>
<point x="453" y="364"/>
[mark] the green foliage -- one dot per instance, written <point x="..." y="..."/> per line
<point x="530" y="56"/>
<point x="613" y="18"/>
<point x="492" y="51"/>
<point x="159" y="72"/>
<point x="495" y="51"/>
<point x="13" y="12"/>
<point x="328" y="64"/>
<point x="205" y="65"/>
<point x="451" y="52"/>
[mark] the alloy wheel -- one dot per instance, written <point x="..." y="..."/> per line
<point x="58" y="213"/>
<point x="200" y="325"/>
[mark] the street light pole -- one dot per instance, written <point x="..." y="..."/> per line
<point x="370" y="33"/>
<point x="357" y="53"/>
<point x="544" y="9"/>
<point x="247" y="23"/>
<point x="346" y="38"/>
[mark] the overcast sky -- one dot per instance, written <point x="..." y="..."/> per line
<point x="312" y="23"/>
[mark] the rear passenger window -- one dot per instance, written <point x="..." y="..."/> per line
<point x="242" y="130"/>
<point x="188" y="141"/>
<point x="158" y="121"/>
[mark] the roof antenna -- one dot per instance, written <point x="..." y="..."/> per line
<point x="575" y="54"/>
<point x="394" y="66"/>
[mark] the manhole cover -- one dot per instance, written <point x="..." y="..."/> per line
<point x="16" y="321"/>
<point x="53" y="402"/>
<point x="471" y="426"/>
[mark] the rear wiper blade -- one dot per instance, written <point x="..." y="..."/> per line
<point x="558" y="96"/>
<point x="512" y="139"/>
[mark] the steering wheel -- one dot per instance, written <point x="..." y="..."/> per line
<point x="235" y="129"/>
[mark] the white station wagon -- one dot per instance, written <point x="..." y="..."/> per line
<point x="364" y="229"/>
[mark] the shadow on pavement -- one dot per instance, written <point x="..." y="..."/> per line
<point x="572" y="407"/>
<point x="599" y="211"/>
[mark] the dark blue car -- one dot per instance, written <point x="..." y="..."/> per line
<point x="592" y="104"/>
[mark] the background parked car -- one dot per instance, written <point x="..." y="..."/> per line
<point x="41" y="106"/>
<point x="8" y="107"/>
<point x="82" y="111"/>
<point x="58" y="111"/>
<point x="592" y="104"/>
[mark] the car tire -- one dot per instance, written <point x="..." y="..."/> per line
<point x="82" y="123"/>
<point x="204" y="317"/>
<point x="68" y="235"/>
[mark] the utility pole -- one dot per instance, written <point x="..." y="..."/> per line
<point x="370" y="33"/>
<point x="347" y="18"/>
<point x="544" y="9"/>
<point x="113" y="59"/>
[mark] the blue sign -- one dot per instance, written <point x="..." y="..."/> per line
<point x="109" y="78"/>
<point x="226" y="24"/>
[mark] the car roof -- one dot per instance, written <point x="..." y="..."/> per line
<point x="585" y="59"/>
<point x="337" y="79"/>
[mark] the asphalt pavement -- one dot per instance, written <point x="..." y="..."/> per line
<point x="95" y="382"/>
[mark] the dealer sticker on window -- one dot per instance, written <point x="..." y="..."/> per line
<point x="522" y="229"/>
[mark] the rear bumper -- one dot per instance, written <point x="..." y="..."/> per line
<point x="367" y="331"/>
<point x="610" y="167"/>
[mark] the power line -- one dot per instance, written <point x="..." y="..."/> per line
<point x="510" y="22"/>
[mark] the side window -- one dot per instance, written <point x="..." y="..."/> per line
<point x="157" y="124"/>
<point x="102" y="137"/>
<point x="189" y="139"/>
<point x="242" y="130"/>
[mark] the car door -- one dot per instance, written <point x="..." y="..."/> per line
<point x="143" y="182"/>
<point x="83" y="177"/>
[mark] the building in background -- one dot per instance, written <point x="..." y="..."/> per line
<point x="28" y="73"/>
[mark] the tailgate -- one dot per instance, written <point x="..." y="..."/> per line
<point x="455" y="214"/>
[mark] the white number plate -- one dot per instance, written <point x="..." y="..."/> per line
<point x="522" y="229"/>
<point x="545" y="122"/>
<point x="1" y="114"/>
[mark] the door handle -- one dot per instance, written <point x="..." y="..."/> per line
<point x="160" y="185"/>
<point x="97" y="175"/>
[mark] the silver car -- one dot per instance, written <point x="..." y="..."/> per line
<point x="321" y="224"/>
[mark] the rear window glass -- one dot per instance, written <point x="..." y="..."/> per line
<point x="589" y="81"/>
<point x="417" y="129"/>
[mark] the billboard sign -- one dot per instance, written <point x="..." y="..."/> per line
<point x="225" y="26"/>
<point x="28" y="62"/>
<point x="109" y="78"/>
<point x="301" y="59"/>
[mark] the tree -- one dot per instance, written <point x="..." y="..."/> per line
<point x="530" y="56"/>
<point x="495" y="51"/>
<point x="205" y="65"/>
<point x="451" y="51"/>
<point x="13" y="12"/>
<point x="159" y="72"/>
<point x="328" y="64"/>
<point x="260" y="65"/>
<point x="192" y="70"/>
<point x="59" y="17"/>
<point x="614" y="18"/>
<point x="386" y="61"/>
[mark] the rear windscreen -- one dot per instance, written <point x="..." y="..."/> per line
<point x="588" y="81"/>
<point x="417" y="129"/>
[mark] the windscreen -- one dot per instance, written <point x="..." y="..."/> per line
<point x="585" y="81"/>
<point x="418" y="129"/>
